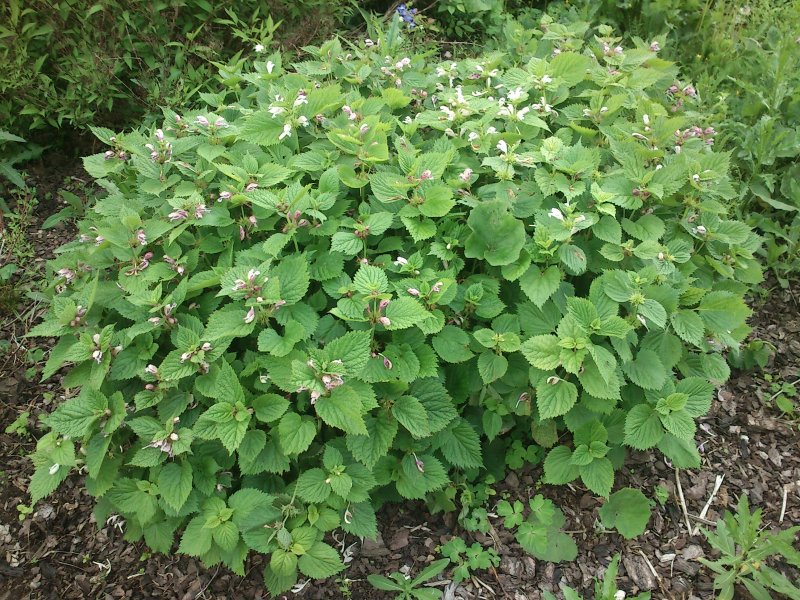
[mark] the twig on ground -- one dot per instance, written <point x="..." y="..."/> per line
<point x="783" y="504"/>
<point x="704" y="512"/>
<point x="682" y="500"/>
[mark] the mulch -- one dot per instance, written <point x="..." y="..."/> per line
<point x="62" y="553"/>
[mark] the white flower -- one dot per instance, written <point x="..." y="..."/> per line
<point x="270" y="66"/>
<point x="407" y="121"/>
<point x="502" y="146"/>
<point x="250" y="316"/>
<point x="400" y="261"/>
<point x="259" y="48"/>
<point x="369" y="43"/>
<point x="546" y="79"/>
<point x="700" y="229"/>
<point x="301" y="99"/>
<point x="302" y="121"/>
<point x="556" y="214"/>
<point x="448" y="113"/>
<point x="516" y="94"/>
<point x="472" y="136"/>
<point x="466" y="174"/>
<point x="287" y="132"/>
<point x="54" y="468"/>
<point x="580" y="219"/>
<point x="491" y="131"/>
<point x="402" y="64"/>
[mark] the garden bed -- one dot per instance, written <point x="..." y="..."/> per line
<point x="60" y="552"/>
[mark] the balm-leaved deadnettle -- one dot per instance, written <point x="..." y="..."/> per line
<point x="358" y="279"/>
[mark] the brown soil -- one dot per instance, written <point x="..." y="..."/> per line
<point x="60" y="552"/>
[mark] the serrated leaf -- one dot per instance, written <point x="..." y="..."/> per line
<point x="540" y="285"/>
<point x="320" y="561"/>
<point x="412" y="415"/>
<point x="175" y="484"/>
<point x="492" y="366"/>
<point x="342" y="409"/>
<point x="555" y="399"/>
<point x="460" y="445"/>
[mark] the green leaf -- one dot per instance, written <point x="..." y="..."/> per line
<point x="76" y="417"/>
<point x="598" y="476"/>
<point x="680" y="424"/>
<point x="412" y="415"/>
<point x="643" y="429"/>
<point x="196" y="539"/>
<point x="312" y="485"/>
<point x="381" y="431"/>
<point x="688" y="326"/>
<point x="438" y="200"/>
<point x="646" y="370"/>
<point x="270" y="407"/>
<point x="558" y="467"/>
<point x="370" y="280"/>
<point x="627" y="510"/>
<point x="460" y="445"/>
<point x="452" y="344"/>
<point x="492" y="366"/>
<point x="555" y="399"/>
<point x="352" y="349"/>
<point x="538" y="285"/>
<point x="497" y="237"/>
<point x="404" y="312"/>
<point x="342" y="409"/>
<point x="295" y="434"/>
<point x="175" y="484"/>
<point x="320" y="561"/>
<point x="542" y="351"/>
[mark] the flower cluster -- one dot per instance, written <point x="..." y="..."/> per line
<point x="407" y="15"/>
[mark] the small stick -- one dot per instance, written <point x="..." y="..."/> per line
<point x="683" y="500"/>
<point x="699" y="520"/>
<point x="704" y="512"/>
<point x="783" y="505"/>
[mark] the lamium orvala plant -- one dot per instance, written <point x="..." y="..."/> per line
<point x="363" y="277"/>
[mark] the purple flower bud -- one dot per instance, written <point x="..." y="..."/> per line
<point x="250" y="187"/>
<point x="201" y="210"/>
<point x="413" y="291"/>
<point x="242" y="234"/>
<point x="141" y="237"/>
<point x="420" y="464"/>
<point x="160" y="135"/>
<point x="385" y="321"/>
<point x="206" y="347"/>
<point x="178" y="215"/>
<point x="387" y="363"/>
<point x="151" y="370"/>
<point x="250" y="316"/>
<point x="109" y="155"/>
<point x="437" y="287"/>
<point x="220" y="123"/>
<point x="202" y="121"/>
<point x="425" y="175"/>
<point x="383" y="304"/>
<point x="224" y="196"/>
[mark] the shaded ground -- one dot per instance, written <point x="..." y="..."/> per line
<point x="60" y="552"/>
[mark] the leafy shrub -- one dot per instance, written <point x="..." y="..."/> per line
<point x="78" y="62"/>
<point x="744" y="546"/>
<point x="366" y="279"/>
<point x="752" y="101"/>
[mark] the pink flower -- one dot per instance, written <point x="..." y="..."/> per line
<point x="200" y="211"/>
<point x="202" y="121"/>
<point x="413" y="291"/>
<point x="250" y="316"/>
<point x="385" y="321"/>
<point x="250" y="187"/>
<point x="141" y="237"/>
<point x="224" y="196"/>
<point x="178" y="215"/>
<point x="465" y="175"/>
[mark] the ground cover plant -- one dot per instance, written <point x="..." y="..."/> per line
<point x="371" y="275"/>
